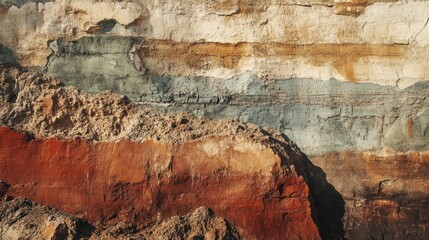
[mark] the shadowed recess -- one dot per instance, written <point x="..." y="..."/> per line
<point x="7" y="56"/>
<point x="102" y="27"/>
<point x="327" y="203"/>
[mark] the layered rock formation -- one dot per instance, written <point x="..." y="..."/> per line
<point x="346" y="80"/>
<point x="145" y="167"/>
<point x="382" y="42"/>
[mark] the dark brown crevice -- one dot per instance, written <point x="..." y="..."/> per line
<point x="327" y="204"/>
<point x="102" y="27"/>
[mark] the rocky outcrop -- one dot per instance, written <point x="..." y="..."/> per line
<point x="383" y="42"/>
<point x="140" y="183"/>
<point x="145" y="167"/>
<point x="23" y="219"/>
<point x="347" y="80"/>
<point x="385" y="194"/>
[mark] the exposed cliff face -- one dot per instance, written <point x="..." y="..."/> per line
<point x="346" y="80"/>
<point x="150" y="181"/>
<point x="385" y="194"/>
<point x="381" y="42"/>
<point x="167" y="167"/>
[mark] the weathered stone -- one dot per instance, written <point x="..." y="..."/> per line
<point x="23" y="219"/>
<point x="346" y="80"/>
<point x="338" y="115"/>
<point x="386" y="44"/>
<point x="385" y="194"/>
<point x="148" y="171"/>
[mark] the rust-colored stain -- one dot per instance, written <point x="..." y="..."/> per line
<point x="3" y="11"/>
<point x="352" y="8"/>
<point x="369" y="168"/>
<point x="410" y="127"/>
<point x="207" y="55"/>
<point x="355" y="8"/>
<point x="238" y="7"/>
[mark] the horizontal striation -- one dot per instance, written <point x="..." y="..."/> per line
<point x="338" y="115"/>
<point x="349" y="62"/>
<point x="133" y="58"/>
<point x="287" y="22"/>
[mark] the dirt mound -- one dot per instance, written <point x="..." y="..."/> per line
<point x="22" y="219"/>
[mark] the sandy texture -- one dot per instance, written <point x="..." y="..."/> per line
<point x="23" y="219"/>
<point x="40" y="105"/>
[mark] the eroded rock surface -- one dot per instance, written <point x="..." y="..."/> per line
<point x="383" y="42"/>
<point x="150" y="167"/>
<point x="347" y="80"/>
<point x="385" y="194"/>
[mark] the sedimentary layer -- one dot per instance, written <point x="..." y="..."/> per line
<point x="385" y="193"/>
<point x="383" y="42"/>
<point x="346" y="80"/>
<point x="155" y="168"/>
<point x="338" y="115"/>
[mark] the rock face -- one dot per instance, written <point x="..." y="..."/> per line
<point x="387" y="195"/>
<point x="346" y="80"/>
<point x="376" y="41"/>
<point x="255" y="179"/>
<point x="141" y="182"/>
